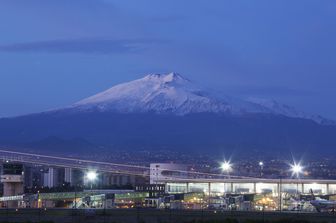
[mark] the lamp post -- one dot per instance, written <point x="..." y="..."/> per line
<point x="281" y="175"/>
<point x="296" y="169"/>
<point x="226" y="166"/>
<point x="261" y="166"/>
<point x="202" y="203"/>
<point x="91" y="177"/>
<point x="280" y="193"/>
<point x="7" y="210"/>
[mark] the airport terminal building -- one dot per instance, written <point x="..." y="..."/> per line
<point x="172" y="186"/>
<point x="247" y="193"/>
<point x="215" y="187"/>
<point x="254" y="194"/>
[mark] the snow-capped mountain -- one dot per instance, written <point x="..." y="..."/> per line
<point x="159" y="93"/>
<point x="173" y="94"/>
<point x="289" y="111"/>
<point x="169" y="112"/>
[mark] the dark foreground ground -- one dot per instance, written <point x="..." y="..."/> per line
<point x="158" y="216"/>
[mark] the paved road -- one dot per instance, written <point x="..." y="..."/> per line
<point x="148" y="215"/>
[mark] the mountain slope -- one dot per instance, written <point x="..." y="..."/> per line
<point x="194" y="133"/>
<point x="170" y="93"/>
<point x="173" y="94"/>
<point x="169" y="112"/>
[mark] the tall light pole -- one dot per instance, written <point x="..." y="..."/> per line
<point x="296" y="169"/>
<point x="91" y="176"/>
<point x="280" y="189"/>
<point x="280" y="193"/>
<point x="226" y="167"/>
<point x="261" y="166"/>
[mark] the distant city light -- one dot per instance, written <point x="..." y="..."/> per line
<point x="226" y="166"/>
<point x="261" y="163"/>
<point x="296" y="169"/>
<point x="91" y="175"/>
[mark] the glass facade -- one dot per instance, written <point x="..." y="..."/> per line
<point x="199" y="187"/>
<point x="332" y="189"/>
<point x="291" y="188"/>
<point x="316" y="188"/>
<point x="244" y="195"/>
<point x="218" y="188"/>
<point x="267" y="188"/>
<point x="176" y="188"/>
<point x="243" y="188"/>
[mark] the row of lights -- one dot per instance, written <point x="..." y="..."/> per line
<point x="296" y="168"/>
<point x="226" y="166"/>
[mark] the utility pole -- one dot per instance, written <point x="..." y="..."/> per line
<point x="261" y="166"/>
<point x="280" y="193"/>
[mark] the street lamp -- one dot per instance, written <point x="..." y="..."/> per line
<point x="91" y="176"/>
<point x="296" y="169"/>
<point x="261" y="165"/>
<point x="226" y="166"/>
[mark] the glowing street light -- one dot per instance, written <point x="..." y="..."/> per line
<point x="296" y="169"/>
<point x="261" y="165"/>
<point x="91" y="176"/>
<point x="226" y="166"/>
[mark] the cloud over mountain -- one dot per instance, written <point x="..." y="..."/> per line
<point x="83" y="45"/>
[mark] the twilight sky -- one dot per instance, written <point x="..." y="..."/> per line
<point x="54" y="53"/>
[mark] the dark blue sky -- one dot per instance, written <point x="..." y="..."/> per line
<point x="53" y="53"/>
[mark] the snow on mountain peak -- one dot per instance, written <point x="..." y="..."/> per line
<point x="166" y="78"/>
<point x="158" y="93"/>
<point x="172" y="93"/>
